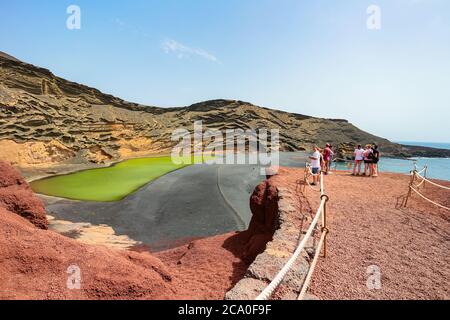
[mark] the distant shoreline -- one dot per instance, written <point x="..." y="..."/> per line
<point x="437" y="145"/>
<point x="427" y="151"/>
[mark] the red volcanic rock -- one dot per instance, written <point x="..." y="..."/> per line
<point x="9" y="176"/>
<point x="264" y="206"/>
<point x="16" y="196"/>
<point x="34" y="264"/>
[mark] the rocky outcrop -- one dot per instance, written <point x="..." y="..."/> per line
<point x="17" y="196"/>
<point x="264" y="222"/>
<point x="280" y="216"/>
<point x="37" y="264"/>
<point x="46" y="120"/>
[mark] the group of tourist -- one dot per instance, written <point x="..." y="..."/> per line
<point x="322" y="159"/>
<point x="370" y="156"/>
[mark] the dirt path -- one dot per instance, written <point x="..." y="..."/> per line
<point x="410" y="246"/>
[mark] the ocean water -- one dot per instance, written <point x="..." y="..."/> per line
<point x="438" y="168"/>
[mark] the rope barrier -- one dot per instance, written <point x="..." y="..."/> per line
<point x="431" y="182"/>
<point x="320" y="214"/>
<point x="414" y="172"/>
<point x="423" y="170"/>
<point x="420" y="184"/>
<point x="414" y="187"/>
<point x="310" y="185"/>
<point x="313" y="265"/>
<point x="268" y="291"/>
<point x="433" y="202"/>
<point x="308" y="173"/>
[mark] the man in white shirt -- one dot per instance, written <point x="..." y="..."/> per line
<point x="359" y="158"/>
<point x="315" y="164"/>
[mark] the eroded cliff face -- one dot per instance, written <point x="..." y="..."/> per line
<point x="46" y="120"/>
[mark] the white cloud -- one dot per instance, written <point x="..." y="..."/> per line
<point x="171" y="46"/>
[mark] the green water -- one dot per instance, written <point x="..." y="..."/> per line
<point x="106" y="184"/>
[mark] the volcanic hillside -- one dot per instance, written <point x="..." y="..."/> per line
<point x="46" y="120"/>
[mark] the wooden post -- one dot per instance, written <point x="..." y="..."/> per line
<point x="305" y="177"/>
<point x="425" y="175"/>
<point x="324" y="223"/>
<point x="325" y="229"/>
<point x="413" y="176"/>
<point x="322" y="191"/>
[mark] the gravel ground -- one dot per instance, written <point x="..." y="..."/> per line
<point x="410" y="246"/>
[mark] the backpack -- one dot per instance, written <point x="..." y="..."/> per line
<point x="375" y="155"/>
<point x="371" y="155"/>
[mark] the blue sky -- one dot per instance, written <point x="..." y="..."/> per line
<point x="310" y="57"/>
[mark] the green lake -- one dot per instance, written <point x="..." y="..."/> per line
<point x="106" y="184"/>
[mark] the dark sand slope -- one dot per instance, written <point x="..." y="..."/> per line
<point x="194" y="202"/>
<point x="182" y="205"/>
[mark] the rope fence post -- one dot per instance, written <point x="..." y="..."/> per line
<point x="321" y="184"/>
<point x="305" y="176"/>
<point x="324" y="223"/>
<point x="422" y="175"/>
<point x="425" y="175"/>
<point x="411" y="183"/>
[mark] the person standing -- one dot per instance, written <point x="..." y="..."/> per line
<point x="327" y="154"/>
<point x="368" y="160"/>
<point x="315" y="164"/>
<point x="375" y="160"/>
<point x="359" y="157"/>
<point x="331" y="158"/>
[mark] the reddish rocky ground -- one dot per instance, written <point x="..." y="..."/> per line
<point x="410" y="245"/>
<point x="34" y="261"/>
